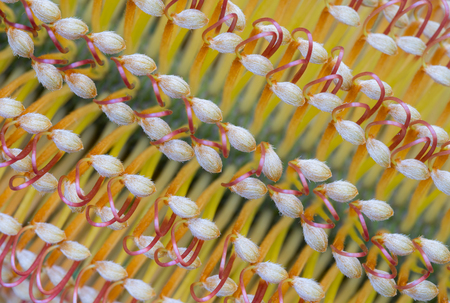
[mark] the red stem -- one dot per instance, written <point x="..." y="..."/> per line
<point x="426" y="274"/>
<point x="52" y="36"/>
<point x="302" y="178"/>
<point x="170" y="136"/>
<point x="285" y="191"/>
<point x="156" y="90"/>
<point x="47" y="61"/>
<point x="78" y="64"/>
<point x="380" y="275"/>
<point x="224" y="138"/>
<point x="351" y="105"/>
<point x="444" y="22"/>
<point x="122" y="73"/>
<point x="362" y="221"/>
<point x="351" y="255"/>
<point x="269" y="52"/>
<point x="392" y="259"/>
<point x="336" y="66"/>
<point x="302" y="70"/>
<point x="141" y="251"/>
<point x="424" y="257"/>
<point x="112" y="101"/>
<point x="153" y="115"/>
<point x="2" y="258"/>
<point x="167" y="225"/>
<point x="328" y="205"/>
<point x="256" y="37"/>
<point x="189" y="115"/>
<point x="323" y="79"/>
<point x="219" y="23"/>
<point x="394" y="123"/>
<point x="93" y="50"/>
<point x="330" y="224"/>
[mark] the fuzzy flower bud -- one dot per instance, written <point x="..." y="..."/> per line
<point x="70" y="193"/>
<point x="398" y="113"/>
<point x="314" y="170"/>
<point x="155" y="128"/>
<point x="48" y="75"/>
<point x="10" y="108"/>
<point x="119" y="113"/>
<point x="190" y="19"/>
<point x="319" y="53"/>
<point x="107" y="166"/>
<point x="341" y="191"/>
<point x="196" y="264"/>
<point x="49" y="233"/>
<point x="288" y="205"/>
<point x="271" y="272"/>
<point x="34" y="123"/>
<point x="183" y="207"/>
<point x="9" y="225"/>
<point x="273" y="167"/>
<point x="346" y="74"/>
<point x="411" y="45"/>
<point x="349" y="266"/>
<point x="70" y="28"/>
<point x="440" y="74"/>
<point x="379" y="152"/>
<point x="81" y="85"/>
<point x="23" y="165"/>
<point x="436" y="251"/>
<point x="45" y="10"/>
<point x="177" y="150"/>
<point x="424" y="291"/>
<point x="271" y="28"/>
<point x="441" y="134"/>
<point x="206" y="111"/>
<point x="208" y="158"/>
<point x="234" y="9"/>
<point x="203" y="229"/>
<point x="108" y="42"/>
<point x="139" y="290"/>
<point x="106" y="214"/>
<point x="288" y="93"/>
<point x="441" y="179"/>
<point x="74" y="250"/>
<point x="308" y="289"/>
<point x="227" y="289"/>
<point x="46" y="184"/>
<point x="413" y="169"/>
<point x="22" y="291"/>
<point x="385" y="287"/>
<point x="315" y="237"/>
<point x="350" y="131"/>
<point x="240" y="138"/>
<point x="376" y="210"/>
<point x="26" y="258"/>
<point x="151" y="7"/>
<point x="345" y="14"/>
<point x="390" y="12"/>
<point x="55" y="274"/>
<point x="66" y="140"/>
<point x="257" y="64"/>
<point x="173" y="86"/>
<point x="20" y="42"/>
<point x="144" y="241"/>
<point x="430" y="28"/>
<point x="139" y="186"/>
<point x="225" y="43"/>
<point x="383" y="43"/>
<point x="398" y="244"/>
<point x="246" y="249"/>
<point x="250" y="188"/>
<point x="325" y="101"/>
<point x="111" y="271"/>
<point x="372" y="90"/>
<point x="138" y="64"/>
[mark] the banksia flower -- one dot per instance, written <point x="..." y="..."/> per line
<point x="10" y="108"/>
<point x="49" y="233"/>
<point x="20" y="42"/>
<point x="398" y="244"/>
<point x="385" y="287"/>
<point x="66" y="140"/>
<point x="45" y="10"/>
<point x="111" y="271"/>
<point x="246" y="249"/>
<point x="250" y="188"/>
<point x="107" y="165"/>
<point x="183" y="207"/>
<point x="271" y="272"/>
<point x="34" y="123"/>
<point x="227" y="290"/>
<point x="288" y="205"/>
<point x="174" y="86"/>
<point x="70" y="28"/>
<point x="108" y="42"/>
<point x="190" y="19"/>
<point x="9" y="225"/>
<point x="74" y="251"/>
<point x="349" y="266"/>
<point x="424" y="291"/>
<point x="48" y="75"/>
<point x="138" y="64"/>
<point x="81" y="85"/>
<point x="341" y="191"/>
<point x="139" y="290"/>
<point x="308" y="289"/>
<point x="257" y="64"/>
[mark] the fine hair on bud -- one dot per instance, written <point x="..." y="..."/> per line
<point x="411" y="45"/>
<point x="350" y="131"/>
<point x="138" y="64"/>
<point x="240" y="138"/>
<point x="154" y="128"/>
<point x="66" y="140"/>
<point x="246" y="249"/>
<point x="227" y="289"/>
<point x="177" y="150"/>
<point x="203" y="229"/>
<point x="206" y="111"/>
<point x="372" y="90"/>
<point x="9" y="225"/>
<point x="190" y="19"/>
<point x="23" y="165"/>
<point x="390" y="12"/>
<point x="345" y="14"/>
<point x="106" y="165"/>
<point x="340" y="191"/>
<point x="441" y="179"/>
<point x="315" y="237"/>
<point x="346" y="73"/>
<point x="289" y="93"/>
<point x="250" y="188"/>
<point x="183" y="207"/>
<point x="436" y="251"/>
<point x="379" y="152"/>
<point x="105" y="214"/>
<point x="139" y="290"/>
<point x="119" y="113"/>
<point x="314" y="170"/>
<point x="81" y="85"/>
<point x="273" y="167"/>
<point x="441" y="134"/>
<point x="138" y="185"/>
<point x="225" y="43"/>
<point x="383" y="43"/>
<point x="144" y="241"/>
<point x="288" y="205"/>
<point x="108" y="42"/>
<point x="111" y="271"/>
<point x="234" y="9"/>
<point x="257" y="64"/>
<point x="385" y="287"/>
<point x="173" y="86"/>
<point x="46" y="184"/>
<point x="325" y="102"/>
<point x="45" y="10"/>
<point x="152" y="7"/>
<point x="196" y="264"/>
<point x="34" y="123"/>
<point x="49" y="233"/>
<point x="398" y="113"/>
<point x="308" y="289"/>
<point x="70" y="28"/>
<point x="424" y="291"/>
<point x="413" y="169"/>
<point x="74" y="250"/>
<point x="271" y="28"/>
<point x="349" y="266"/>
<point x="10" y="108"/>
<point x="440" y="74"/>
<point x="398" y="244"/>
<point x="48" y="75"/>
<point x="376" y="210"/>
<point x="70" y="193"/>
<point x="271" y="272"/>
<point x="20" y="42"/>
<point x="208" y="158"/>
<point x="319" y="53"/>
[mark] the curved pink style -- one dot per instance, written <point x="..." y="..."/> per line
<point x="6" y="150"/>
<point x="77" y="283"/>
<point x="443" y="152"/>
<point x="115" y="214"/>
<point x="170" y="136"/>
<point x="302" y="70"/>
<point x="48" y="61"/>
<point x="197" y="243"/>
<point x="433" y="135"/>
<point x="94" y="190"/>
<point x="336" y="66"/>
<point x="426" y="274"/>
<point x="2" y="258"/>
<point x="269" y="52"/>
<point x="167" y="225"/>
<point x="362" y="221"/>
<point x="392" y="259"/>
<point x="224" y="139"/>
<point x="415" y="6"/>
<point x="156" y="90"/>
<point x="286" y="66"/>
<point x="352" y="105"/>
<point x="18" y="25"/>
<point x="260" y="291"/>
<point x="302" y="178"/>
<point x="330" y="224"/>
<point x="218" y="24"/>
<point x="224" y="256"/>
<point x="223" y="10"/>
<point x="153" y="115"/>
<point x="327" y="204"/>
<point x="424" y="256"/>
<point x="445" y="20"/>
<point x="380" y="9"/>
<point x="187" y="104"/>
<point x="141" y="251"/>
<point x="381" y="275"/>
<point x="112" y="101"/>
<point x="262" y="159"/>
<point x="348" y="254"/>
<point x="256" y="37"/>
<point x="323" y="79"/>
<point x="393" y="123"/>
<point x="122" y="73"/>
<point x="93" y="50"/>
<point x="285" y="191"/>
<point x="380" y="84"/>
<point x="78" y="64"/>
<point x="30" y="15"/>
<point x="206" y="142"/>
<point x="52" y="36"/>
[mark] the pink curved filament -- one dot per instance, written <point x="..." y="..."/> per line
<point x="408" y="116"/>
<point x="433" y="135"/>
<point x="170" y="136"/>
<point x="302" y="178"/>
<point x="286" y="66"/>
<point x="424" y="256"/>
<point x="6" y="150"/>
<point x="163" y="264"/>
<point x="330" y="224"/>
<point x="392" y="259"/>
<point x="382" y="90"/>
<point x="78" y="64"/>
<point x="336" y="66"/>
<point x="239" y="179"/>
<point x="328" y="205"/>
<point x="269" y="52"/>
<point x="29" y="14"/>
<point x="197" y="243"/>
<point x="224" y="256"/>
<point x="381" y="275"/>
<point x="362" y="221"/>
<point x="18" y="25"/>
<point x="187" y="104"/>
<point x="219" y="23"/>
<point x="122" y="73"/>
<point x="348" y="254"/>
<point x="141" y="251"/>
<point x="409" y="145"/>
<point x="48" y="61"/>
<point x="351" y="105"/>
<point x="166" y="8"/>
<point x="261" y="160"/>
<point x="443" y="152"/>
<point x="115" y="214"/>
<point x="224" y="139"/>
<point x="93" y="50"/>
<point x="93" y="191"/>
<point x="259" y="294"/>
<point x="444" y="22"/>
<point x="153" y="115"/>
<point x="223" y="10"/>
<point x="61" y="194"/>
<point x="167" y="225"/>
<point x="112" y="101"/>
<point x="323" y="79"/>
<point x="242" y="286"/>
<point x="285" y="191"/>
<point x="77" y="283"/>
<point x="415" y="6"/>
<point x="394" y="123"/>
<point x="2" y="258"/>
<point x="302" y="70"/>
<point x="124" y="207"/>
<point x="426" y="274"/>
<point x="256" y="37"/>
<point x="206" y="142"/>
<point x="380" y="9"/>
<point x="55" y="41"/>
<point x="156" y="90"/>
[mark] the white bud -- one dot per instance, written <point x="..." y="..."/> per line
<point x="139" y="186"/>
<point x="250" y="188"/>
<point x="271" y="272"/>
<point x="26" y="258"/>
<point x="119" y="113"/>
<point x="431" y="28"/>
<point x="372" y="90"/>
<point x="398" y="113"/>
<point x="240" y="138"/>
<point x="174" y="86"/>
<point x="340" y="191"/>
<point x="144" y="241"/>
<point x="441" y="179"/>
<point x="288" y="93"/>
<point x="314" y="170"/>
<point x="155" y="128"/>
<point x="106" y="165"/>
<point x="20" y="42"/>
<point x="74" y="250"/>
<point x="49" y="233"/>
<point x="257" y="64"/>
<point x="206" y="111"/>
<point x="346" y="74"/>
<point x="376" y="210"/>
<point x="319" y="54"/>
<point x="344" y="14"/>
<point x="81" y="85"/>
<point x="138" y="64"/>
<point x="273" y="167"/>
<point x="46" y="184"/>
<point x="66" y="140"/>
<point x="196" y="264"/>
<point x="10" y="108"/>
<point x="441" y="134"/>
<point x="183" y="207"/>
<point x="208" y="158"/>
<point x="139" y="290"/>
<point x="246" y="249"/>
<point x="227" y="289"/>
<point x="325" y="101"/>
<point x="424" y="291"/>
<point x="190" y="19"/>
<point x="411" y="45"/>
<point x="440" y="74"/>
<point x="288" y="205"/>
<point x="34" y="123"/>
<point x="48" y="75"/>
<point x="70" y="193"/>
<point x="105" y="214"/>
<point x="70" y="28"/>
<point x="350" y="131"/>
<point x="7" y="273"/>
<point x="108" y="42"/>
<point x="203" y="229"/>
<point x="233" y="8"/>
<point x="177" y="150"/>
<point x="383" y="43"/>
<point x="111" y="271"/>
<point x="225" y="43"/>
<point x="398" y="244"/>
<point x="9" y="225"/>
<point x="45" y="10"/>
<point x="23" y="165"/>
<point x="385" y="287"/>
<point x="22" y="291"/>
<point x="349" y="266"/>
<point x="315" y="237"/>
<point x="170" y="300"/>
<point x="413" y="169"/>
<point x="151" y="7"/>
<point x="390" y="12"/>
<point x="379" y="152"/>
<point x="436" y="251"/>
<point x="87" y="294"/>
<point x="271" y="28"/>
<point x="308" y="289"/>
<point x="55" y="274"/>
<point x="370" y="3"/>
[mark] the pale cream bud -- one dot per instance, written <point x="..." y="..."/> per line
<point x="370" y="3"/>
<point x="289" y="93"/>
<point x="174" y="86"/>
<point x="383" y="43"/>
<point x="48" y="75"/>
<point x="45" y="10"/>
<point x="81" y="85"/>
<point x="87" y="294"/>
<point x="344" y="14"/>
<point x="20" y="42"/>
<point x="398" y="244"/>
<point x="183" y="207"/>
<point x="250" y="188"/>
<point x="144" y="241"/>
<point x="319" y="54"/>
<point x="34" y="123"/>
<point x="273" y="167"/>
<point x="240" y="138"/>
<point x="271" y="272"/>
<point x="225" y="43"/>
<point x="106" y="165"/>
<point x="138" y="64"/>
<point x="340" y="191"/>
<point x="315" y="237"/>
<point x="385" y="287"/>
<point x="440" y="74"/>
<point x="441" y="134"/>
<point x="208" y="158"/>
<point x="308" y="289"/>
<point x="379" y="152"/>
<point x="424" y="291"/>
<point x="23" y="165"/>
<point x="190" y="19"/>
<point x="10" y="108"/>
<point x="70" y="28"/>
<point x="350" y="131"/>
<point x="349" y="266"/>
<point x="411" y="45"/>
<point x="206" y="111"/>
<point x="196" y="264"/>
<point x="9" y="225"/>
<point x="413" y="169"/>
<point x="441" y="179"/>
<point x="203" y="229"/>
<point x="390" y="12"/>
<point x="430" y="28"/>
<point x="74" y="250"/>
<point x="55" y="274"/>
<point x="66" y="140"/>
<point x="436" y="251"/>
<point x="398" y="113"/>
<point x="271" y="28"/>
<point x="325" y="101"/>
<point x="155" y="128"/>
<point x="314" y="170"/>
<point x="376" y="210"/>
<point x="288" y="205"/>
<point x="346" y="73"/>
<point x="70" y="193"/>
<point x="372" y="90"/>
<point x="106" y="215"/>
<point x="108" y="42"/>
<point x="26" y="258"/>
<point x="227" y="289"/>
<point x="46" y="184"/>
<point x="233" y="8"/>
<point x="119" y="113"/>
<point x="151" y="7"/>
<point x="246" y="249"/>
<point x="177" y="150"/>
<point x="49" y="233"/>
<point x="257" y="64"/>
<point x="139" y="290"/>
<point x="7" y="273"/>
<point x="111" y="271"/>
<point x="139" y="186"/>
<point x="22" y="291"/>
<point x="170" y="300"/>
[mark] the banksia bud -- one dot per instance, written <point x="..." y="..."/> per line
<point x="344" y="14"/>
<point x="430" y="28"/>
<point x="240" y="138"/>
<point x="273" y="167"/>
<point x="23" y="165"/>
<point x="319" y="53"/>
<point x="441" y="179"/>
<point x="106" y="215"/>
<point x="379" y="152"/>
<point x="206" y="111"/>
<point x="227" y="289"/>
<point x="170" y="300"/>
<point x="208" y="158"/>
<point x="9" y="225"/>
<point x="271" y="272"/>
<point x="107" y="166"/>
<point x="108" y="42"/>
<point x="424" y="291"/>
<point x="111" y="271"/>
<point x="26" y="258"/>
<point x="246" y="249"/>
<point x="411" y="45"/>
<point x="257" y="64"/>
<point x="313" y="169"/>
<point x="436" y="251"/>
<point x="398" y="113"/>
<point x="271" y="28"/>
<point x="174" y="86"/>
<point x="288" y="93"/>
<point x="346" y="74"/>
<point x="390" y="12"/>
<point x="10" y="108"/>
<point x="383" y="43"/>
<point x="139" y="186"/>
<point x="66" y="140"/>
<point x="341" y="191"/>
<point x="350" y="131"/>
<point x="376" y="210"/>
<point x="203" y="229"/>
<point x="139" y="290"/>
<point x="196" y="264"/>
<point x="144" y="241"/>
<point x="74" y="250"/>
<point x="423" y="132"/>
<point x="398" y="244"/>
<point x="190" y="19"/>
<point x="70" y="28"/>
<point x="34" y="123"/>
<point x="22" y="291"/>
<point x="315" y="237"/>
<point x="45" y="10"/>
<point x="250" y="188"/>
<point x="177" y="150"/>
<point x="308" y="289"/>
<point x="46" y="184"/>
<point x="440" y="74"/>
<point x="155" y="128"/>
<point x="325" y="101"/>
<point x="349" y="266"/>
<point x="81" y="85"/>
<point x="288" y="205"/>
<point x="138" y="64"/>
<point x="225" y="43"/>
<point x="70" y="193"/>
<point x="385" y="287"/>
<point x="234" y="9"/>
<point x="372" y="90"/>
<point x="49" y="233"/>
<point x="183" y="207"/>
<point x="20" y="42"/>
<point x="151" y="7"/>
<point x="87" y="294"/>
<point x="119" y="113"/>
<point x="48" y="75"/>
<point x="413" y="169"/>
<point x="55" y="274"/>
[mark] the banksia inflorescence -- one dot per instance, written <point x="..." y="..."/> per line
<point x="239" y="143"/>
